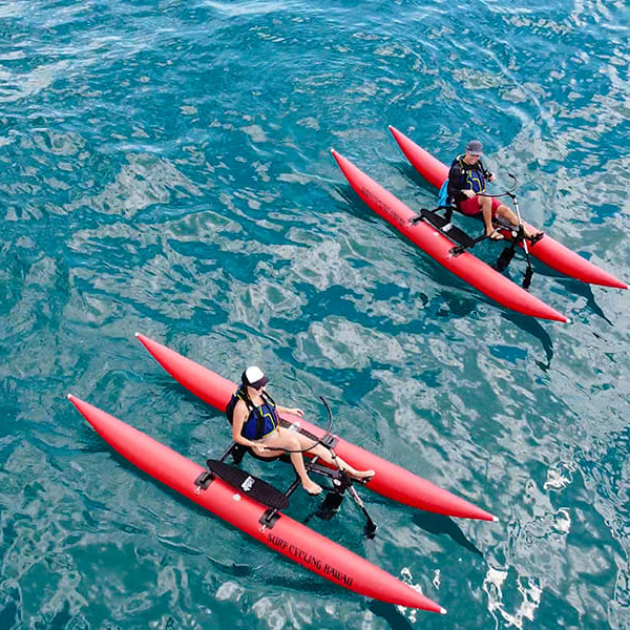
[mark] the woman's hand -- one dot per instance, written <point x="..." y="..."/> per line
<point x="296" y="411"/>
<point x="469" y="193"/>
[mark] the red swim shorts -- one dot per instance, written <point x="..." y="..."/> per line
<point x="470" y="207"/>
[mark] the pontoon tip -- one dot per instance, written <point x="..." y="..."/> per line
<point x="442" y="611"/>
<point x="136" y="334"/>
<point x="495" y="519"/>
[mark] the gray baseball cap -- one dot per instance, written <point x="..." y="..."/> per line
<point x="474" y="147"/>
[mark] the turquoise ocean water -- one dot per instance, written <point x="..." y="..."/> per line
<point x="166" y="169"/>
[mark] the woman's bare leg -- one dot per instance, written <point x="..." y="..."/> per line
<point x="290" y="443"/>
<point x="307" y="483"/>
<point x="327" y="456"/>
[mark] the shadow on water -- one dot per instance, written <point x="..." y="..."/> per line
<point x="449" y="304"/>
<point x="233" y="569"/>
<point x="409" y="172"/>
<point x="316" y="586"/>
<point x="10" y="616"/>
<point x="391" y="615"/>
<point x="353" y="204"/>
<point x="533" y="327"/>
<point x="61" y="619"/>
<point x="586" y="291"/>
<point x="440" y="524"/>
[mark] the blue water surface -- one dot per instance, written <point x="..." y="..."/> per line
<point x="166" y="169"/>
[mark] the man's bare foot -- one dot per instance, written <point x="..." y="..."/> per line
<point x="311" y="487"/>
<point x="534" y="237"/>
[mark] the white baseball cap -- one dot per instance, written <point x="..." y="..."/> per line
<point x="254" y="377"/>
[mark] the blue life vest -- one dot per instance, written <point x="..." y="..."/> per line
<point x="472" y="179"/>
<point x="262" y="420"/>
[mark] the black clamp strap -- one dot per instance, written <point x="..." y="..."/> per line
<point x="203" y="481"/>
<point x="269" y="518"/>
<point x="329" y="441"/>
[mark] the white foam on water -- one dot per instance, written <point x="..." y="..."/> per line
<point x="493" y="585"/>
<point x="560" y="476"/>
<point x="436" y="579"/>
<point x="229" y="591"/>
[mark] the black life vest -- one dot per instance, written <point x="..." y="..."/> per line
<point x="472" y="177"/>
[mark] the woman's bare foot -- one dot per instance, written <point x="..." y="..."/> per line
<point x="311" y="487"/>
<point x="364" y="475"/>
<point x="359" y="475"/>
